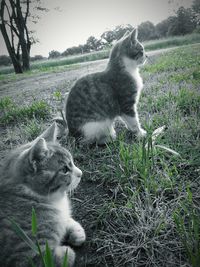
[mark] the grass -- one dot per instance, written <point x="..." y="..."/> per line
<point x="12" y="113"/>
<point x="53" y="65"/>
<point x="143" y="215"/>
<point x="139" y="199"/>
<point x="172" y="41"/>
<point x="188" y="227"/>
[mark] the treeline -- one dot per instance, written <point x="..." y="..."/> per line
<point x="185" y="21"/>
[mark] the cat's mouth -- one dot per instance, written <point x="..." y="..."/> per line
<point x="139" y="54"/>
<point x="53" y="190"/>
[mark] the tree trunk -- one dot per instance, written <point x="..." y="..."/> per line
<point x="25" y="56"/>
<point x="16" y="63"/>
<point x="25" y="44"/>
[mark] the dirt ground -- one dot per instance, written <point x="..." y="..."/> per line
<point x="42" y="85"/>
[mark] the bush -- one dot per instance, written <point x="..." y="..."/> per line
<point x="5" y="60"/>
<point x="37" y="57"/>
<point x="54" y="54"/>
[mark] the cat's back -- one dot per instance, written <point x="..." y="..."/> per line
<point x="92" y="98"/>
<point x="94" y="84"/>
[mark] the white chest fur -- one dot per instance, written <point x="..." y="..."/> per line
<point x="62" y="204"/>
<point x="132" y="68"/>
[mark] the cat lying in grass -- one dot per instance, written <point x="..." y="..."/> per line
<point x="98" y="98"/>
<point x="39" y="175"/>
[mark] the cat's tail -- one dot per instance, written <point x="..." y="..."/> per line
<point x="61" y="120"/>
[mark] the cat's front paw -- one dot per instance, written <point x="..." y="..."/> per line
<point x="60" y="252"/>
<point x="76" y="235"/>
<point x="141" y="133"/>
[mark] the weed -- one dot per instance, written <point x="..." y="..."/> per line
<point x="32" y="129"/>
<point x="10" y="112"/>
<point x="187" y="221"/>
<point x="188" y="101"/>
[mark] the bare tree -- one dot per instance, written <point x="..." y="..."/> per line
<point x="14" y="15"/>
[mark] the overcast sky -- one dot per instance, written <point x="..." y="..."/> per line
<point x="75" y="20"/>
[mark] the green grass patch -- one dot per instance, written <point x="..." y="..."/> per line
<point x="186" y="219"/>
<point x="177" y="60"/>
<point x="12" y="113"/>
<point x="172" y="41"/>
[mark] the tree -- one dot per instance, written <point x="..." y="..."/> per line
<point x="54" y="54"/>
<point x="146" y="31"/>
<point x="186" y="23"/>
<point x="120" y="30"/>
<point x="182" y="23"/>
<point x="93" y="43"/>
<point x="196" y="11"/>
<point x="14" y="16"/>
<point x="108" y="36"/>
<point x="162" y="28"/>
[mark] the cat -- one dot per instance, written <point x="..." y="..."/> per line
<point x="39" y="175"/>
<point x="97" y="99"/>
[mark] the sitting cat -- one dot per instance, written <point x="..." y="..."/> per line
<point x="38" y="174"/>
<point x="98" y="98"/>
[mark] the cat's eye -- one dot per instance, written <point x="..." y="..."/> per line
<point x="65" y="169"/>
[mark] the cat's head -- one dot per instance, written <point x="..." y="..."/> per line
<point x="44" y="166"/>
<point x="128" y="47"/>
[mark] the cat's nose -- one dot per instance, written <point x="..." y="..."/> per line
<point x="78" y="172"/>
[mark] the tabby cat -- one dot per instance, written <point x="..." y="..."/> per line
<point x="39" y="175"/>
<point x="98" y="98"/>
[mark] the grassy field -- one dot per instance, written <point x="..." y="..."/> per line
<point x="139" y="199"/>
<point x="64" y="62"/>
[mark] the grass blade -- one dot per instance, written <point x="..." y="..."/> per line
<point x="48" y="257"/>
<point x="40" y="253"/>
<point x="20" y="232"/>
<point x="65" y="261"/>
<point x="168" y="150"/>
<point x="34" y="223"/>
<point x="157" y="132"/>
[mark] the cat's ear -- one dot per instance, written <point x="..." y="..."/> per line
<point x="126" y="34"/>
<point x="51" y="133"/>
<point x="134" y="35"/>
<point x="38" y="152"/>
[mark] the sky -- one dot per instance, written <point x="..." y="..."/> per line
<point x="70" y="22"/>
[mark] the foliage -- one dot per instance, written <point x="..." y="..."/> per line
<point x="196" y="11"/>
<point x="5" y="60"/>
<point x="11" y="112"/>
<point x="37" y="57"/>
<point x="146" y="31"/>
<point x="93" y="44"/>
<point x="54" y="54"/>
